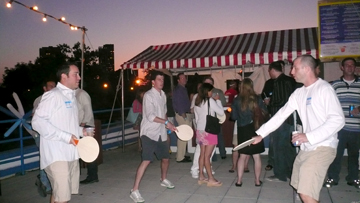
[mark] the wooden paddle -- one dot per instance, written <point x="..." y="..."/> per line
<point x="88" y="148"/>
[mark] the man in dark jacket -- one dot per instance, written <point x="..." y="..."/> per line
<point x="283" y="152"/>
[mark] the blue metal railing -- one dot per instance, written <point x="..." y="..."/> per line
<point x="22" y="152"/>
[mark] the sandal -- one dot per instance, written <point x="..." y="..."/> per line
<point x="231" y="171"/>
<point x="203" y="181"/>
<point x="268" y="167"/>
<point x="214" y="184"/>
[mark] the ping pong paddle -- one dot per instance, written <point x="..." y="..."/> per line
<point x="184" y="132"/>
<point x="244" y="144"/>
<point x="88" y="148"/>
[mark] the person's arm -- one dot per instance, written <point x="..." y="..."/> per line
<point x="216" y="106"/>
<point x="88" y="117"/>
<point x="48" y="106"/>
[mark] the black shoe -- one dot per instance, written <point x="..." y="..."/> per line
<point x="256" y="185"/>
<point x="329" y="183"/>
<point x="184" y="160"/>
<point x="355" y="183"/>
<point x="88" y="181"/>
<point x="238" y="185"/>
<point x="187" y="157"/>
<point x="268" y="167"/>
<point x="223" y="157"/>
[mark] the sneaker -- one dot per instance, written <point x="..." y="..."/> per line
<point x="166" y="183"/>
<point x="355" y="183"/>
<point x="136" y="196"/>
<point x="194" y="174"/>
<point x="274" y="179"/>
<point x="329" y="183"/>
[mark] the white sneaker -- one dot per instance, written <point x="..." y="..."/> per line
<point x="194" y="174"/>
<point x="166" y="183"/>
<point x="136" y="196"/>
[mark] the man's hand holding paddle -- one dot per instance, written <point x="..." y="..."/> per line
<point x="257" y="139"/>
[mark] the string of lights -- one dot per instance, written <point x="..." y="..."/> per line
<point x="62" y="20"/>
<point x="45" y="15"/>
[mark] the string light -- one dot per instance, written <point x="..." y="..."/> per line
<point x="36" y="9"/>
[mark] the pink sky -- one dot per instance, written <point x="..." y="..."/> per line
<point x="134" y="25"/>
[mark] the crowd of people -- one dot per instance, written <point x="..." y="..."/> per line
<point x="305" y="112"/>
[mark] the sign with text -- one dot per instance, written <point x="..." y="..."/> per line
<point x="339" y="25"/>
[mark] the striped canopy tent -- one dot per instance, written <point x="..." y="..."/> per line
<point x="233" y="50"/>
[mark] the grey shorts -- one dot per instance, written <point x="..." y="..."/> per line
<point x="151" y="147"/>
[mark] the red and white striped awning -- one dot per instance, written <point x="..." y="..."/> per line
<point x="256" y="48"/>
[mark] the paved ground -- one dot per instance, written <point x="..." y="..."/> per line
<point x="117" y="174"/>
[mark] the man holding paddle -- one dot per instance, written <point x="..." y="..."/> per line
<point x="56" y="120"/>
<point x="321" y="116"/>
<point x="153" y="133"/>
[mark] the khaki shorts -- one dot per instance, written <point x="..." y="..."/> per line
<point x="309" y="170"/>
<point x="64" y="177"/>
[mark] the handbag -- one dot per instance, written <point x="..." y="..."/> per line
<point x="137" y="123"/>
<point x="212" y="123"/>
<point x="131" y="117"/>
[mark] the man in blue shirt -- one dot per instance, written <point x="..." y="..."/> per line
<point x="181" y="104"/>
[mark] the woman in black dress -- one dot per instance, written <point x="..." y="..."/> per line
<point x="244" y="110"/>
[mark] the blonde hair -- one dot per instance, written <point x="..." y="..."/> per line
<point x="247" y="95"/>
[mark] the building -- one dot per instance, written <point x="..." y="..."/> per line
<point x="106" y="56"/>
<point x="46" y="52"/>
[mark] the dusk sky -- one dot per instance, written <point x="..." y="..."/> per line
<point x="134" y="25"/>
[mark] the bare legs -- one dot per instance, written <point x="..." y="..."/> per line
<point x="235" y="156"/>
<point x="242" y="162"/>
<point x="204" y="161"/>
<point x="307" y="199"/>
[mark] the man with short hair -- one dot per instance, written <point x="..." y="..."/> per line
<point x="283" y="153"/>
<point x="181" y="105"/>
<point x="153" y="134"/>
<point x="56" y="120"/>
<point x="322" y="117"/>
<point x="347" y="89"/>
<point x="42" y="181"/>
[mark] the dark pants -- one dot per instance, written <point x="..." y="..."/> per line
<point x="351" y="141"/>
<point x="92" y="170"/>
<point x="221" y="144"/>
<point x="284" y="152"/>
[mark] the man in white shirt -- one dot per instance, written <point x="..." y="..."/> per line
<point x="56" y="120"/>
<point x="321" y="116"/>
<point x="153" y="134"/>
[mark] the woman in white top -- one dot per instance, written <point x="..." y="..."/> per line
<point x="207" y="141"/>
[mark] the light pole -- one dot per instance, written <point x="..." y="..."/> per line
<point x="62" y="20"/>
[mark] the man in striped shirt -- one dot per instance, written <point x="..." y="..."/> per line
<point x="347" y="89"/>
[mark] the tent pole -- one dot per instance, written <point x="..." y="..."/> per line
<point x="122" y="110"/>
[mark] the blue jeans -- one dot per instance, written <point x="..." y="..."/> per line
<point x="284" y="152"/>
<point x="44" y="180"/>
<point x="43" y="177"/>
<point x="351" y="141"/>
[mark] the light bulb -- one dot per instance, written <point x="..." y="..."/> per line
<point x="8" y="5"/>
